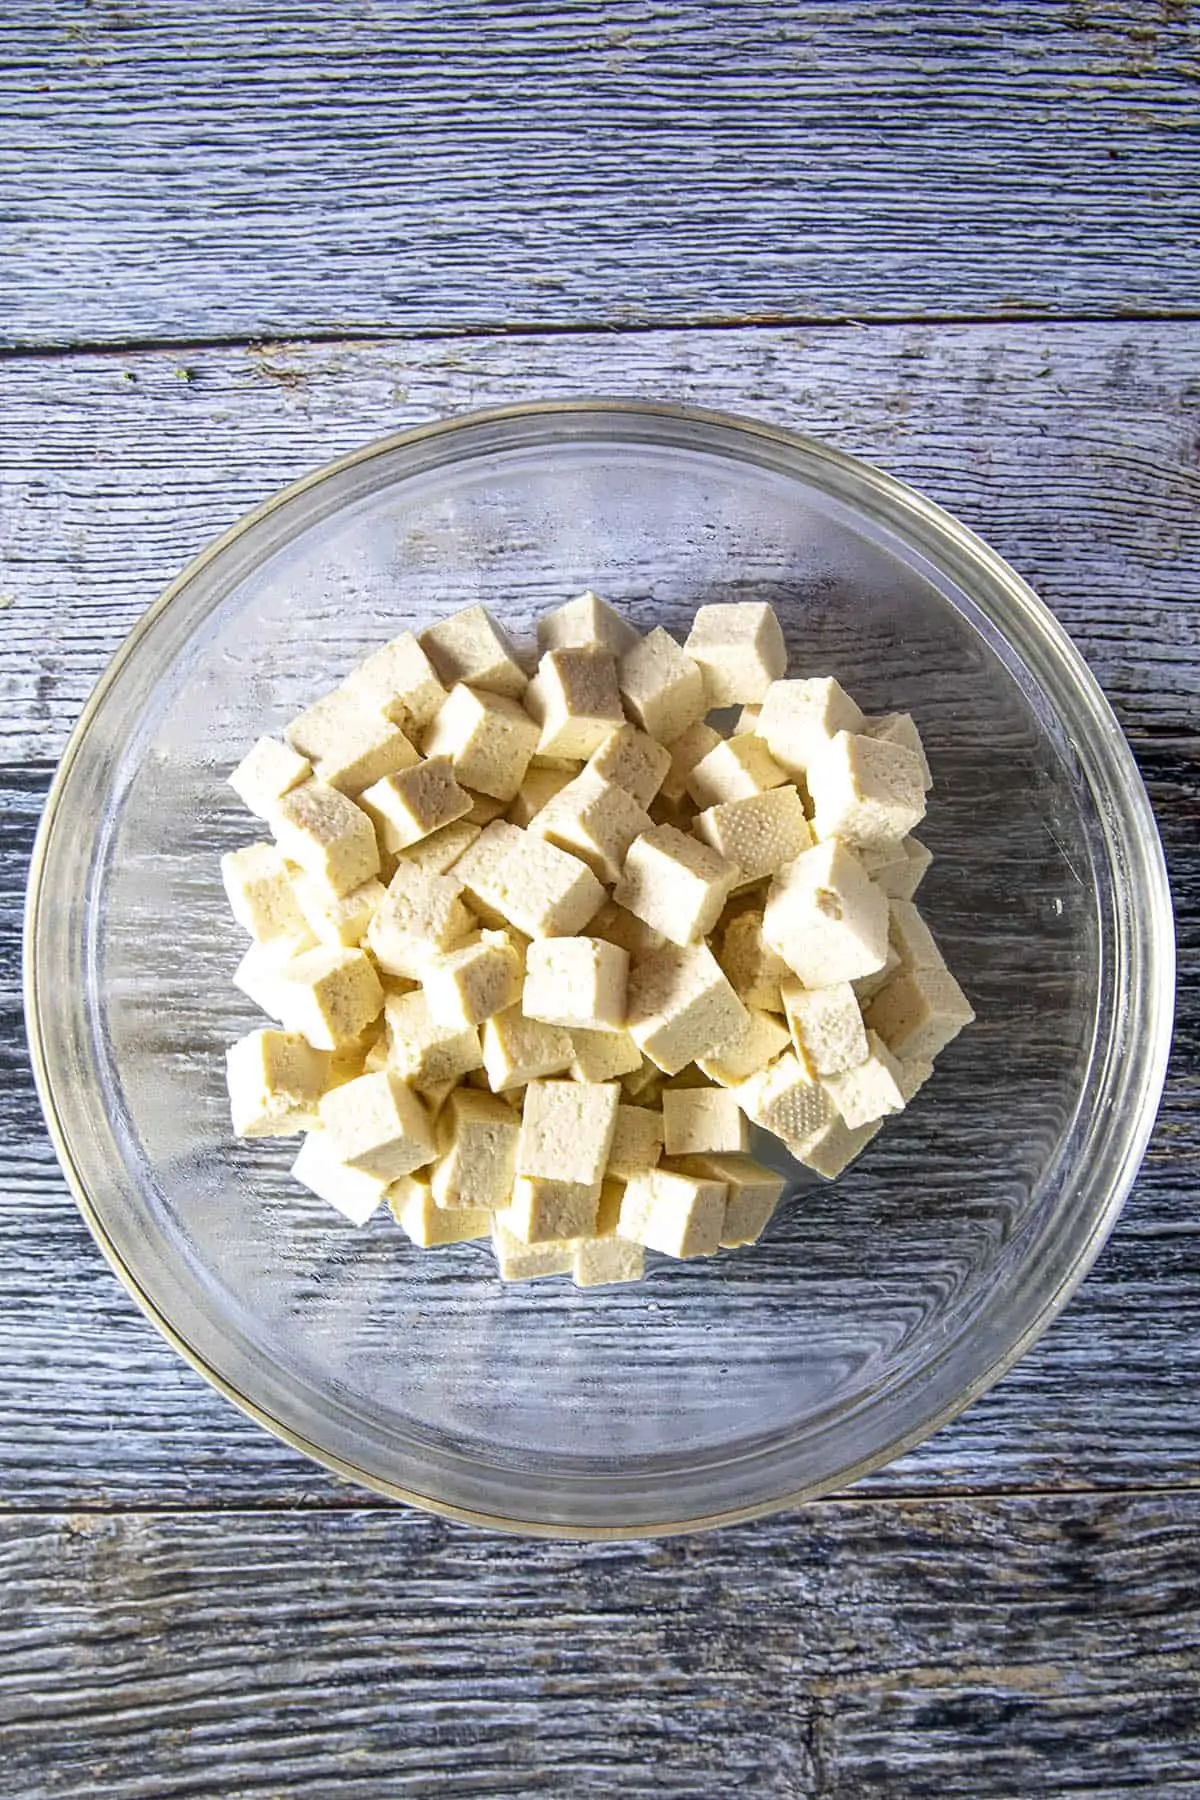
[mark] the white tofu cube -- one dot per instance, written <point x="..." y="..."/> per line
<point x="678" y="1215"/>
<point x="798" y="719"/>
<point x="637" y="1141"/>
<point x="411" y="805"/>
<point x="399" y="681"/>
<point x="427" y="1224"/>
<point x="517" y="1050"/>
<point x="662" y="688"/>
<point x="602" y="1055"/>
<point x="826" y="918"/>
<point x="644" y="1086"/>
<point x="594" y="820"/>
<point x="275" y="1081"/>
<point x="378" y="1125"/>
<point x="911" y="937"/>
<point x="348" y="745"/>
<point x="469" y="646"/>
<point x="266" y="773"/>
<point x="864" y="792"/>
<point x="740" y="651"/>
<point x="330" y="995"/>
<point x="544" y="1210"/>
<point x="867" y="986"/>
<point x="484" y="809"/>
<point x="463" y="987"/>
<point x="700" y="1119"/>
<point x="871" y="1089"/>
<point x="902" y="877"/>
<point x="623" y="928"/>
<point x="578" y="981"/>
<point x="680" y="1007"/>
<point x="488" y="738"/>
<point x="422" y="1052"/>
<point x="606" y="1260"/>
<point x="353" y="1192"/>
<point x="759" y="834"/>
<point x="786" y="1100"/>
<point x="439" y="852"/>
<point x="259" y="976"/>
<point x="918" y="1012"/>
<point x="421" y="916"/>
<point x="519" y="878"/>
<point x="736" y="768"/>
<point x="675" y="884"/>
<point x="518" y="1261"/>
<point x="763" y="1039"/>
<point x="262" y="900"/>
<point x="337" y="918"/>
<point x="826" y="1026"/>
<point x="753" y="1194"/>
<point x="567" y="1130"/>
<point x="633" y="760"/>
<point x="689" y="749"/>
<point x="900" y="728"/>
<point x="837" y="1145"/>
<point x="477" y="1145"/>
<point x="914" y="1073"/>
<point x="755" y="971"/>
<point x="586" y="621"/>
<point x="539" y="786"/>
<point x="323" y="832"/>
<point x="575" y="700"/>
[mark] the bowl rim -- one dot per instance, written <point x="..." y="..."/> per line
<point x="1155" y="926"/>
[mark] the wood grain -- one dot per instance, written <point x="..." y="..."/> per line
<point x="864" y="1650"/>
<point x="317" y="166"/>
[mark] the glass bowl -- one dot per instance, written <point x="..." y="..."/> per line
<point x="875" y="1308"/>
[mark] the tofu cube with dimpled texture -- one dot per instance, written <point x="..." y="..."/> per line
<point x="786" y="1100"/>
<point x="348" y="745"/>
<point x="575" y="700"/>
<point x="425" y="1223"/>
<point x="517" y="1050"/>
<point x="826" y="1026"/>
<point x="759" y="834"/>
<point x="918" y="1012"/>
<point x="266" y="773"/>
<point x="595" y="820"/>
<point x="826" y="918"/>
<point x="399" y="681"/>
<point x="871" y="1089"/>
<point x="275" y="1081"/>
<point x="661" y="687"/>
<point x="837" y="1145"/>
<point x="539" y="786"/>
<point x="519" y="1261"/>
<point x="755" y="971"/>
<point x="911" y="937"/>
<point x="488" y="737"/>
<point x="901" y="728"/>
<point x="422" y="1052"/>
<point x="470" y="646"/>
<point x="378" y="1125"/>
<point x="577" y="981"/>
<point x="337" y="918"/>
<point x="864" y="792"/>
<point x="463" y="987"/>
<point x="421" y="916"/>
<point x="675" y="884"/>
<point x="415" y="803"/>
<point x="477" y="1146"/>
<point x="740" y="651"/>
<point x="602" y="1055"/>
<point x="753" y="1194"/>
<point x="764" y="1038"/>
<point x="637" y="1141"/>
<point x="737" y="768"/>
<point x="678" y="1215"/>
<point x="439" y="852"/>
<point x="262" y="899"/>
<point x="703" y="1118"/>
<point x="633" y="760"/>
<point x="519" y="878"/>
<point x="259" y="976"/>
<point x="330" y="995"/>
<point x="323" y="832"/>
<point x="544" y="1210"/>
<point x="606" y="1257"/>
<point x="354" y="1193"/>
<point x="586" y="621"/>
<point x="567" y="1130"/>
<point x="620" y="927"/>
<point x="688" y="750"/>
<point x="799" y="718"/>
<point x="680" y="1007"/>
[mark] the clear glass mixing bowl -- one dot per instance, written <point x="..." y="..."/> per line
<point x="875" y="1308"/>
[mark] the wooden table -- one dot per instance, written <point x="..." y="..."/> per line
<point x="961" y="240"/>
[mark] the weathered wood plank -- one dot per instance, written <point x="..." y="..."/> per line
<point x="861" y="1651"/>
<point x="396" y="165"/>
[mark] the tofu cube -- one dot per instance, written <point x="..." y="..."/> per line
<point x="378" y="1125"/>
<point x="867" y="986"/>
<point x="644" y="1086"/>
<point x="680" y="1007"/>
<point x="323" y="832"/>
<point x="911" y="937"/>
<point x="763" y="1039"/>
<point x="736" y="768"/>
<point x="594" y="820"/>
<point x="918" y="1012"/>
<point x="266" y="773"/>
<point x="900" y="728"/>
<point x="439" y="852"/>
<point x="826" y="918"/>
<point x="463" y="987"/>
<point x="518" y="1261"/>
<point x="337" y="918"/>
<point x="799" y="718"/>
<point x="539" y="786"/>
<point x="519" y="878"/>
<point x="399" y="681"/>
<point x="871" y="1089"/>
<point x="422" y="1052"/>
<point x="602" y="1055"/>
<point x="914" y="1073"/>
<point x="275" y="1081"/>
<point x="488" y="738"/>
<point x="759" y="834"/>
<point x="637" y="1141"/>
<point x="348" y="745"/>
<point x="902" y="876"/>
<point x="262" y="900"/>
<point x="409" y="806"/>
<point x="420" y="917"/>
<point x="675" y="884"/>
<point x="633" y="760"/>
<point x="739" y="649"/>
<point x="575" y="700"/>
<point x="864" y="792"/>
<point x="837" y="1145"/>
<point x="484" y="809"/>
<point x="353" y="1192"/>
<point x="755" y="971"/>
<point x="470" y="647"/>
<point x="620" y="927"/>
<point x="753" y="1194"/>
<point x="605" y="1261"/>
<point x="517" y="1050"/>
<point x="330" y="995"/>
<point x="826" y="1026"/>
<point x="427" y="1224"/>
<point x="662" y="688"/>
<point x="544" y="1210"/>
<point x="576" y="981"/>
<point x="700" y="1119"/>
<point x="477" y="1144"/>
<point x="567" y="1131"/>
<point x="688" y="750"/>
<point x="259" y="976"/>
<point x="679" y="1215"/>
<point x="586" y="621"/>
<point x="786" y="1100"/>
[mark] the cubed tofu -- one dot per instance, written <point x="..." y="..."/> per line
<point x="259" y="976"/>
<point x="421" y="916"/>
<point x="678" y="1215"/>
<point x="914" y="943"/>
<point x="427" y="1224"/>
<point x="594" y="820"/>
<point x="518" y="1261"/>
<point x="837" y="1145"/>
<point x="700" y="1119"/>
<point x="576" y="981"/>
<point x="826" y="1026"/>
<point x="799" y="718"/>
<point x="633" y="760"/>
<point x="900" y="728"/>
<point x="415" y="803"/>
<point x="675" y="884"/>
<point x="623" y="928"/>
<point x="337" y="918"/>
<point x="474" y="982"/>
<point x="348" y="744"/>
<point x="759" y="834"/>
<point x="262" y="899"/>
<point x="523" y="880"/>
<point x="488" y="737"/>
<point x="826" y="918"/>
<point x="586" y="621"/>
<point x="567" y="1130"/>
<point x="871" y="1089"/>
<point x="354" y="1193"/>
<point x="544" y="1210"/>
<point x="914" y="1073"/>
<point x="422" y="1052"/>
<point x="605" y="1261"/>
<point x="644" y="1086"/>
<point x="867" y="986"/>
<point x="689" y="749"/>
<point x="330" y="995"/>
<point x="740" y="650"/>
<point x="484" y="809"/>
<point x="539" y="786"/>
<point x="753" y="1194"/>
<point x="786" y="1100"/>
<point x="378" y="1125"/>
<point x="763" y="1039"/>
<point x="864" y="792"/>
<point x="736" y="768"/>
<point x="477" y="1146"/>
<point x="517" y="1050"/>
<point x="275" y="1081"/>
<point x="326" y="835"/>
<point x="755" y="971"/>
<point x="266" y="773"/>
<point x="903" y="874"/>
<point x="637" y="1141"/>
<point x="575" y="700"/>
<point x="399" y="681"/>
<point x="662" y="688"/>
<point x="918" y="1012"/>
<point x="680" y="1007"/>
<point x="602" y="1055"/>
<point x="439" y="852"/>
<point x="470" y="647"/>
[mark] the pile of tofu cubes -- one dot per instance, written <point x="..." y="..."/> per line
<point x="542" y="944"/>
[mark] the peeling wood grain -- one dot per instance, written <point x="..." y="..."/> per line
<point x="393" y="165"/>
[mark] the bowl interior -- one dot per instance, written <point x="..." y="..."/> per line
<point x="715" y="1386"/>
